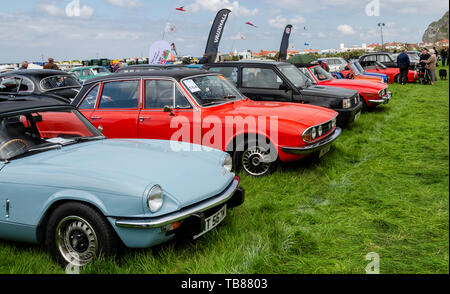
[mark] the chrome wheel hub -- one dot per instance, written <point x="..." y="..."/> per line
<point x="76" y="240"/>
<point x="256" y="161"/>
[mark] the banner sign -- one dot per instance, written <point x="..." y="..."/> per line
<point x="159" y="52"/>
<point x="285" y="42"/>
<point x="215" y="35"/>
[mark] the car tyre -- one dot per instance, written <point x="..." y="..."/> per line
<point x="255" y="158"/>
<point x="76" y="233"/>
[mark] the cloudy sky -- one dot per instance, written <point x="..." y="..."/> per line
<point x="32" y="29"/>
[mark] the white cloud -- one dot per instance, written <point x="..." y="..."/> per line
<point x="346" y="29"/>
<point x="126" y="3"/>
<point x="215" y="5"/>
<point x="280" y="22"/>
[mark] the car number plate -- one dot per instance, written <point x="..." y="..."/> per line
<point x="213" y="221"/>
<point x="324" y="151"/>
<point x="357" y="115"/>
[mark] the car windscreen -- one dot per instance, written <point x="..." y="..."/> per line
<point x="354" y="69"/>
<point x="16" y="84"/>
<point x="59" y="81"/>
<point x="30" y="133"/>
<point x="294" y="75"/>
<point x="211" y="89"/>
<point x="320" y="73"/>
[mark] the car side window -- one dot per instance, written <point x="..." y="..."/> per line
<point x="181" y="101"/>
<point x="159" y="94"/>
<point x="16" y="85"/>
<point x="87" y="72"/>
<point x="76" y="73"/>
<point x="370" y="58"/>
<point x="383" y="58"/>
<point x="260" y="78"/>
<point x="120" y="95"/>
<point x="90" y="100"/>
<point x="231" y="73"/>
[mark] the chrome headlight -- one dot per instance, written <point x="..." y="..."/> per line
<point x="313" y="133"/>
<point x="320" y="131"/>
<point x="227" y="162"/>
<point x="346" y="103"/>
<point x="155" y="198"/>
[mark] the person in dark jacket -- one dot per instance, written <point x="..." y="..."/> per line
<point x="51" y="64"/>
<point x="403" y="63"/>
<point x="24" y="65"/>
<point x="443" y="56"/>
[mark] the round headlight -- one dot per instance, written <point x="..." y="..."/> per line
<point x="155" y="198"/>
<point x="227" y="162"/>
<point x="313" y="133"/>
<point x="320" y="130"/>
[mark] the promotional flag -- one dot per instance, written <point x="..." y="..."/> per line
<point x="215" y="35"/>
<point x="285" y="42"/>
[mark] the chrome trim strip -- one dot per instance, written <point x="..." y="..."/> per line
<point x="158" y="222"/>
<point x="314" y="147"/>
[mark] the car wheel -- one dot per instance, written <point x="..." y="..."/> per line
<point x="77" y="234"/>
<point x="257" y="158"/>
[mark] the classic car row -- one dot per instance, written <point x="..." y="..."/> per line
<point x="164" y="144"/>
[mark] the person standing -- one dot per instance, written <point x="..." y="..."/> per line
<point x="403" y="63"/>
<point x="443" y="56"/>
<point x="430" y="66"/>
<point x="24" y="65"/>
<point x="51" y="64"/>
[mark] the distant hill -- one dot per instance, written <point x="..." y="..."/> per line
<point x="437" y="30"/>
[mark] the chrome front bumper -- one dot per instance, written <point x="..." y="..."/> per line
<point x="185" y="213"/>
<point x="383" y="100"/>
<point x="314" y="147"/>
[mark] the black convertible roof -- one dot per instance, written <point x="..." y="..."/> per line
<point x="36" y="73"/>
<point x="176" y="74"/>
<point x="14" y="105"/>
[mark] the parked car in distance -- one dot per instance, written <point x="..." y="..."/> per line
<point x="362" y="71"/>
<point x="386" y="58"/>
<point x="336" y="64"/>
<point x="281" y="81"/>
<point x="63" y="184"/>
<point x="204" y="108"/>
<point x="58" y="84"/>
<point x="393" y="73"/>
<point x="84" y="73"/>
<point x="372" y="94"/>
<point x="353" y="72"/>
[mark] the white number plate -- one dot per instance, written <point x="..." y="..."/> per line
<point x="324" y="151"/>
<point x="357" y="115"/>
<point x="213" y="221"/>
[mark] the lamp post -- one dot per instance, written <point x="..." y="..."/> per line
<point x="381" y="25"/>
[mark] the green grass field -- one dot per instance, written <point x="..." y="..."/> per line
<point x="383" y="188"/>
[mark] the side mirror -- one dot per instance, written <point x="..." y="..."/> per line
<point x="167" y="109"/>
<point x="284" y="87"/>
<point x="100" y="128"/>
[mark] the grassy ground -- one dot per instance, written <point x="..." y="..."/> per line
<point x="383" y="188"/>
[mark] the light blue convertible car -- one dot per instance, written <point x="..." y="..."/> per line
<point x="65" y="185"/>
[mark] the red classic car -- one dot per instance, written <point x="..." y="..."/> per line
<point x="393" y="73"/>
<point x="372" y="93"/>
<point x="205" y="109"/>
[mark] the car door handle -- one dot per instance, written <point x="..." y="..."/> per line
<point x="96" y="117"/>
<point x="142" y="118"/>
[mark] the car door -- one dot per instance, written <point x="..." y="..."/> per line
<point x="264" y="84"/>
<point x="117" y="109"/>
<point x="165" y="110"/>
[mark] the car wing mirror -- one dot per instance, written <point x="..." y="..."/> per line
<point x="284" y="87"/>
<point x="168" y="109"/>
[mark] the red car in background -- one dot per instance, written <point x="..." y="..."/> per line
<point x="393" y="73"/>
<point x="203" y="108"/>
<point x="372" y="93"/>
